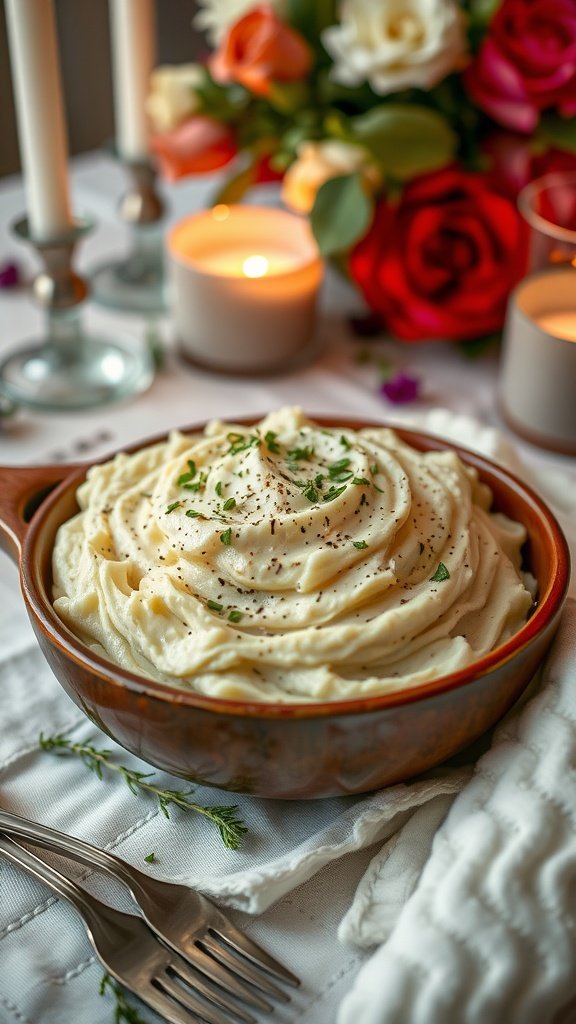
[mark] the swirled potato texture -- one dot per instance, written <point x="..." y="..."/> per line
<point x="288" y="561"/>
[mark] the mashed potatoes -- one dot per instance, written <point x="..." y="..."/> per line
<point x="288" y="562"/>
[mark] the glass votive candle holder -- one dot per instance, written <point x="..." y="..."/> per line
<point x="548" y="205"/>
<point x="245" y="283"/>
<point x="538" y="381"/>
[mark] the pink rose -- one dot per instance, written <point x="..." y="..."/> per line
<point x="196" y="146"/>
<point x="527" y="63"/>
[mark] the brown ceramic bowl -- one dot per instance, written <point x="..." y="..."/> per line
<point x="285" y="750"/>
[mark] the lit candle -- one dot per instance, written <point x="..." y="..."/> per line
<point x="561" y="324"/>
<point x="538" y="388"/>
<point x="245" y="285"/>
<point x="40" y="115"/>
<point x="133" y="55"/>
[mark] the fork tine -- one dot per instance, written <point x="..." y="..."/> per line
<point x="239" y="965"/>
<point x="229" y="982"/>
<point x="167" y="1009"/>
<point x="210" y="992"/>
<point x="187" y="999"/>
<point x="224" y="929"/>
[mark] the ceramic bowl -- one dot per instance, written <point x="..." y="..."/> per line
<point x="291" y="751"/>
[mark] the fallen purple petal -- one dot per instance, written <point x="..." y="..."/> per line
<point x="401" y="389"/>
<point x="9" y="275"/>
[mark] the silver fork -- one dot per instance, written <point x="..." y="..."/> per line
<point x="186" y="921"/>
<point x="132" y="954"/>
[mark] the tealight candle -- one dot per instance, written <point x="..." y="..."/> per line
<point x="561" y="324"/>
<point x="538" y="387"/>
<point x="245" y="285"/>
<point x="40" y="116"/>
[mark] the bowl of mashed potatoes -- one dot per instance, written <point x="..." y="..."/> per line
<point x="293" y="607"/>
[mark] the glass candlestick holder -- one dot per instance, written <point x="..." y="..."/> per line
<point x="136" y="282"/>
<point x="69" y="368"/>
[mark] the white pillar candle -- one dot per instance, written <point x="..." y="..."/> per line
<point x="133" y="55"/>
<point x="40" y="115"/>
<point x="245" y="285"/>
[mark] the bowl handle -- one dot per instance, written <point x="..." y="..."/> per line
<point x="22" y="490"/>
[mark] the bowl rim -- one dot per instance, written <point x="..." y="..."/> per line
<point x="546" y="610"/>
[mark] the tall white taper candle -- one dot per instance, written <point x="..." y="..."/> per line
<point x="133" y="55"/>
<point x="40" y="115"/>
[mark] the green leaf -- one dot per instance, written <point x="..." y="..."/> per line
<point x="558" y="131"/>
<point x="405" y="140"/>
<point x="341" y="213"/>
<point x="309" y="18"/>
<point x="236" y="186"/>
<point x="441" y="574"/>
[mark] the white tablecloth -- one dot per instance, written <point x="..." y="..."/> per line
<point x="47" y="973"/>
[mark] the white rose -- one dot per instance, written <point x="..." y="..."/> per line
<point x="316" y="163"/>
<point x="173" y="97"/>
<point x="396" y="44"/>
<point x="215" y="17"/>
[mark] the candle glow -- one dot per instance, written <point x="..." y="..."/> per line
<point x="255" y="266"/>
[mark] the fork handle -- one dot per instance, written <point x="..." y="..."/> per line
<point x="93" y="912"/>
<point x="76" y="849"/>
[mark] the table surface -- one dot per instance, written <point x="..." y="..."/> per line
<point x="342" y="377"/>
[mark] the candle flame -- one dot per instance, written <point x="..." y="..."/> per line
<point x="221" y="212"/>
<point x="255" y="266"/>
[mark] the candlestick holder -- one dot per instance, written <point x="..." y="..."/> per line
<point x="136" y="283"/>
<point x="69" y="368"/>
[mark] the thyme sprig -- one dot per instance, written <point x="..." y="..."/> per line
<point x="230" y="826"/>
<point x="123" y="1011"/>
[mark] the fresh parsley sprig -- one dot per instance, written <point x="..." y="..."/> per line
<point x="123" y="1011"/>
<point x="230" y="826"/>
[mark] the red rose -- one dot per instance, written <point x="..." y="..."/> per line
<point x="527" y="63"/>
<point x="441" y="262"/>
<point x="196" y="146"/>
<point x="260" y="49"/>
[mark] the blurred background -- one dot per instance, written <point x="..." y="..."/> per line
<point x="85" y="62"/>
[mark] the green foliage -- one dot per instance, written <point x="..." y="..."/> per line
<point x="341" y="213"/>
<point x="405" y="140"/>
<point x="558" y="131"/>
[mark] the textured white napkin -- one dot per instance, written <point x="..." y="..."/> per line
<point x="487" y="932"/>
<point x="428" y="968"/>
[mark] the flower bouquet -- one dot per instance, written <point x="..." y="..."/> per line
<point x="403" y="129"/>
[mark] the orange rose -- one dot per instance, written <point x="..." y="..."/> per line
<point x="260" y="49"/>
<point x="196" y="146"/>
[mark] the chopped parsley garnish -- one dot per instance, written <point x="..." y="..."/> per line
<point x="151" y="858"/>
<point x="319" y="479"/>
<point x="193" y="514"/>
<point x="226" y="537"/>
<point x="360" y="544"/>
<point x="360" y="480"/>
<point x="310" y="492"/>
<point x="333" y="492"/>
<point x="301" y="454"/>
<point x="338" y="467"/>
<point x="240" y="442"/>
<point x="345" y="442"/>
<point x="218" y="488"/>
<point x="171" y="507"/>
<point x="198" y="485"/>
<point x="229" y="503"/>
<point x="185" y="478"/>
<point x="214" y="606"/>
<point x="235" y="615"/>
<point x="271" y="442"/>
<point x="374" y="468"/>
<point x="441" y="574"/>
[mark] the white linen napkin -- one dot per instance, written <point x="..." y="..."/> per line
<point x="454" y="905"/>
<point x="487" y="933"/>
